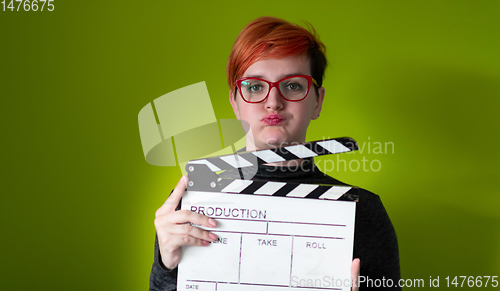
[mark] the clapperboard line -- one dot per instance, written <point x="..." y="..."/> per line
<point x="202" y="172"/>
<point x="262" y="285"/>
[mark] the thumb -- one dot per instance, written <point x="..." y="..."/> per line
<point x="355" y="274"/>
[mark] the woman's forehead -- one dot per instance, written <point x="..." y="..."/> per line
<point x="279" y="68"/>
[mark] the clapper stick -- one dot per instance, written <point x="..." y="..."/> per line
<point x="202" y="173"/>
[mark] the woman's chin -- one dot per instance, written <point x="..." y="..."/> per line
<point x="273" y="137"/>
<point x="273" y="141"/>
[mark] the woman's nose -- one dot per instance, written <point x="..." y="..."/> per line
<point x="274" y="100"/>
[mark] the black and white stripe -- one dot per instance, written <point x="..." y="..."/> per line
<point x="250" y="159"/>
<point x="271" y="188"/>
<point x="202" y="175"/>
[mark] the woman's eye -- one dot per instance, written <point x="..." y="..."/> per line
<point x="255" y="88"/>
<point x="294" y="86"/>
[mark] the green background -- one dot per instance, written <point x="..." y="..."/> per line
<point x="78" y="198"/>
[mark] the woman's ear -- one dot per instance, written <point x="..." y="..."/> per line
<point x="319" y="105"/>
<point x="234" y="104"/>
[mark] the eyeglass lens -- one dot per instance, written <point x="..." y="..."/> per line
<point x="292" y="89"/>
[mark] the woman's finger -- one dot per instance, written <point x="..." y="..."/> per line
<point x="174" y="198"/>
<point x="193" y="231"/>
<point x="186" y="216"/>
<point x="355" y="274"/>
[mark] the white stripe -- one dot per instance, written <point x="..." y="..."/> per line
<point x="237" y="186"/>
<point x="269" y="156"/>
<point x="270" y="188"/>
<point x="333" y="146"/>
<point x="302" y="190"/>
<point x="335" y="192"/>
<point x="236" y="161"/>
<point x="301" y="151"/>
<point x="211" y="166"/>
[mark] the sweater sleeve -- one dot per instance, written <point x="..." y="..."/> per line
<point x="160" y="279"/>
<point x="376" y="244"/>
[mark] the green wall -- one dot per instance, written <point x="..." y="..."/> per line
<point x="78" y="198"/>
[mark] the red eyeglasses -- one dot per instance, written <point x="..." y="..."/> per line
<point x="294" y="88"/>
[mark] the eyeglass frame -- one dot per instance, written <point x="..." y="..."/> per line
<point x="310" y="80"/>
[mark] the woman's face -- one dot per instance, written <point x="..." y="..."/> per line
<point x="275" y="121"/>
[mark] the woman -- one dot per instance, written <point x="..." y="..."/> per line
<point x="275" y="74"/>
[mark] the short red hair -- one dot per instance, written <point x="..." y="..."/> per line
<point x="270" y="37"/>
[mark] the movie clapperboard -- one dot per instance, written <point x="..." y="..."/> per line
<point x="271" y="235"/>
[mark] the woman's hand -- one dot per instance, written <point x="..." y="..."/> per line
<point x="355" y="274"/>
<point x="174" y="228"/>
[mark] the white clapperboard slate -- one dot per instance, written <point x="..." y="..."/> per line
<point x="271" y="235"/>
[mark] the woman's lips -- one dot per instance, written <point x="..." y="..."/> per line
<point x="273" y="119"/>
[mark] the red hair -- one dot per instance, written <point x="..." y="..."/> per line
<point x="270" y="37"/>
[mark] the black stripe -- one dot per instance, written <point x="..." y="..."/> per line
<point x="353" y="190"/>
<point x="283" y="191"/>
<point x="351" y="195"/>
<point x="316" y="148"/>
<point x="253" y="187"/>
<point x="285" y="154"/>
<point x="252" y="158"/>
<point x="240" y="172"/>
<point x="316" y="193"/>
